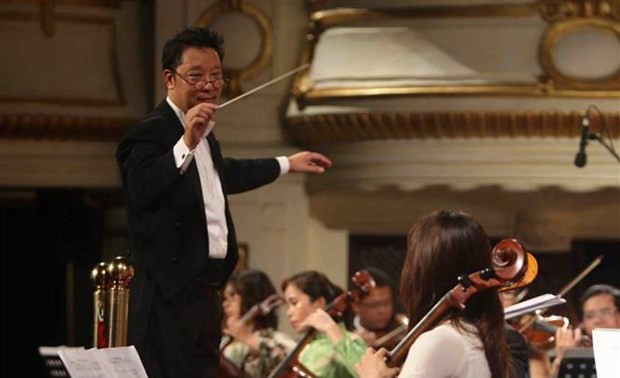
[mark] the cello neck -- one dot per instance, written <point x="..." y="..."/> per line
<point x="398" y="354"/>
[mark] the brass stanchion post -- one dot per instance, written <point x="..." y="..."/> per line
<point x="100" y="278"/>
<point x="121" y="273"/>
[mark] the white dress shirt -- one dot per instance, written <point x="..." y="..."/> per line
<point x="212" y="194"/>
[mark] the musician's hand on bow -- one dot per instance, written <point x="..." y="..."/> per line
<point x="372" y="365"/>
<point x="242" y="331"/>
<point x="320" y="320"/>
<point x="309" y="162"/>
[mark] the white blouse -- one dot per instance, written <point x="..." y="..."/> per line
<point x="446" y="351"/>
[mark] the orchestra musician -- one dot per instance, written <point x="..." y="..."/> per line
<point x="469" y="343"/>
<point x="252" y="343"/>
<point x="379" y="317"/>
<point x="332" y="351"/>
<point x="600" y="308"/>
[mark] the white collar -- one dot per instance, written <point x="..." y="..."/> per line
<point x="177" y="110"/>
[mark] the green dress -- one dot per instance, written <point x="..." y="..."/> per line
<point x="326" y="360"/>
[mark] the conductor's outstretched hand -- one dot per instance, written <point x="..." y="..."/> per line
<point x="307" y="161"/>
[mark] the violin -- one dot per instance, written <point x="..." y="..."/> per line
<point x="509" y="270"/>
<point x="540" y="330"/>
<point x="290" y="367"/>
<point x="541" y="333"/>
<point x="226" y="368"/>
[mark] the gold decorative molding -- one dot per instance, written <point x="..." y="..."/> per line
<point x="325" y="129"/>
<point x="561" y="29"/>
<point x="562" y="10"/>
<point x="236" y="76"/>
<point x="306" y="95"/>
<point x="63" y="127"/>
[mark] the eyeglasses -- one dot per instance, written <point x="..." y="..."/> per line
<point x="604" y="313"/>
<point x="199" y="82"/>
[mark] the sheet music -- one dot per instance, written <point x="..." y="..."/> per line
<point x="117" y="362"/>
<point x="532" y="305"/>
<point x="124" y="361"/>
<point x="84" y="364"/>
<point x="606" y="345"/>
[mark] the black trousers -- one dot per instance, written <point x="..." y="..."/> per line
<point x="184" y="333"/>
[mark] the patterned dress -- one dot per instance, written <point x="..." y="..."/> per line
<point x="274" y="346"/>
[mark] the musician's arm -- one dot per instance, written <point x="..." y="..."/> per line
<point x="349" y="350"/>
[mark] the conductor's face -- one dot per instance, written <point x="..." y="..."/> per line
<point x="197" y="79"/>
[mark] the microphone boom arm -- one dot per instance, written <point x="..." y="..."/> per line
<point x="599" y="138"/>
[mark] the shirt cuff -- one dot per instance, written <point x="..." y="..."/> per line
<point x="183" y="156"/>
<point x="284" y="165"/>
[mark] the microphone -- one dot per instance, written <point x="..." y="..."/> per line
<point x="580" y="157"/>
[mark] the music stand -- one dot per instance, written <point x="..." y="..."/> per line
<point x="578" y="363"/>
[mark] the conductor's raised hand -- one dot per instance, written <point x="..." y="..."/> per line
<point x="308" y="161"/>
<point x="197" y="120"/>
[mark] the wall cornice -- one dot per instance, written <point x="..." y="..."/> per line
<point x="63" y="127"/>
<point x="329" y="128"/>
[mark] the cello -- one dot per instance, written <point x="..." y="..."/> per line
<point x="511" y="267"/>
<point x="290" y="367"/>
<point x="226" y="368"/>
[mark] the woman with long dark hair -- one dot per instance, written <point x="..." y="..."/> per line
<point x="470" y="343"/>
